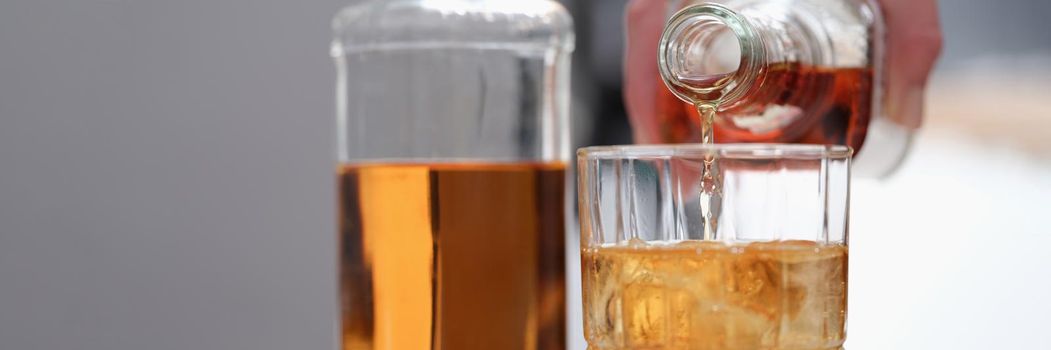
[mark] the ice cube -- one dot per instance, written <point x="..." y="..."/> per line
<point x="646" y="315"/>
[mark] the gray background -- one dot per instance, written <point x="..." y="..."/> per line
<point x="166" y="166"/>
<point x="165" y="175"/>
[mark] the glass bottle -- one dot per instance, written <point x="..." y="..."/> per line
<point x="452" y="130"/>
<point x="789" y="71"/>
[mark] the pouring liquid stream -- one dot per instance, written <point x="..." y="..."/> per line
<point x="711" y="197"/>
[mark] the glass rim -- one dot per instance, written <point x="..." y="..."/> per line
<point x="718" y="150"/>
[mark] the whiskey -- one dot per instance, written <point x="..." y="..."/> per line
<point x="794" y="104"/>
<point x="703" y="295"/>
<point x="452" y="256"/>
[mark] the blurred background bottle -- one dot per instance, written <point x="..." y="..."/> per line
<point x="797" y="71"/>
<point x="452" y="122"/>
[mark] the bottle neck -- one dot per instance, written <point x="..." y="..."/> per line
<point x="710" y="54"/>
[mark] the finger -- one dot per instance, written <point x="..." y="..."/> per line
<point x="645" y="18"/>
<point x="914" y="41"/>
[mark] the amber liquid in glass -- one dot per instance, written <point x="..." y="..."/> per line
<point x="836" y="105"/>
<point x="701" y="295"/>
<point x="452" y="256"/>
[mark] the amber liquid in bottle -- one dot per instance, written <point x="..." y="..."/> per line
<point x="452" y="256"/>
<point x="833" y="106"/>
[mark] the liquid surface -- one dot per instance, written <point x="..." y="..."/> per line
<point x="793" y="104"/>
<point x="701" y="295"/>
<point x="453" y="256"/>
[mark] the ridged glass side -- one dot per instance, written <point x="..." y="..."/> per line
<point x="769" y="194"/>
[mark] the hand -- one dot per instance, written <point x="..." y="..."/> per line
<point x="913" y="43"/>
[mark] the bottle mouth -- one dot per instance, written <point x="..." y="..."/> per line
<point x="708" y="54"/>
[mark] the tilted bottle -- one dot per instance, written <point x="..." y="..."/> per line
<point x="786" y="71"/>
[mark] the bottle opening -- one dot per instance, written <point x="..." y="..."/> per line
<point x="707" y="54"/>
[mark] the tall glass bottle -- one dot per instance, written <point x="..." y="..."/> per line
<point x="452" y="140"/>
<point x="792" y="71"/>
